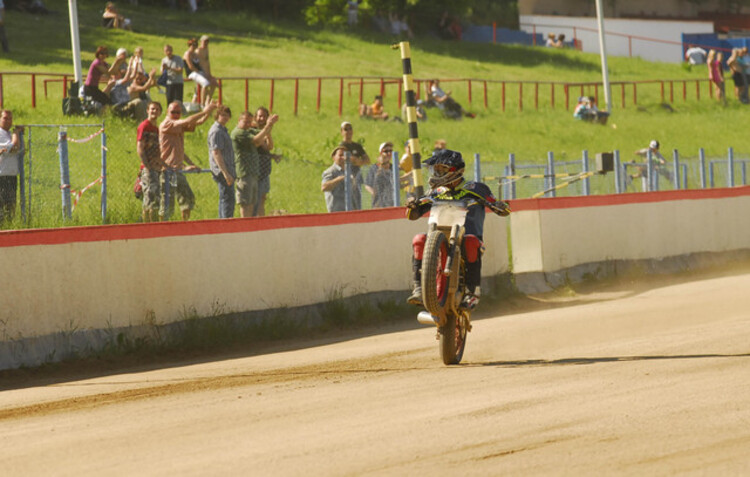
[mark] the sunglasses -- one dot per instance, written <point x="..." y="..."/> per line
<point x="175" y="112"/>
<point x="388" y="151"/>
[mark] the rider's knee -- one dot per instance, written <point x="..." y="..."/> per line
<point x="473" y="248"/>
<point x="417" y="244"/>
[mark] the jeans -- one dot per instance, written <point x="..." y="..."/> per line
<point x="226" y="198"/>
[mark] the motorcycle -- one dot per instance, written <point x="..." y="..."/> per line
<point x="443" y="274"/>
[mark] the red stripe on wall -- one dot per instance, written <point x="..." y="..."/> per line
<point x="519" y="205"/>
<point x="105" y="233"/>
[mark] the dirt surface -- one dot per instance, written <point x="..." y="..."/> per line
<point x="628" y="378"/>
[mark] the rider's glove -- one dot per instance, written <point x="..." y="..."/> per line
<point x="411" y="203"/>
<point x="501" y="208"/>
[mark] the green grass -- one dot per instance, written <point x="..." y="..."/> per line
<point x="244" y="45"/>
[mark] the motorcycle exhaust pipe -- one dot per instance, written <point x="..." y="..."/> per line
<point x="426" y="318"/>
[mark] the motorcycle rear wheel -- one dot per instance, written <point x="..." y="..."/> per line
<point x="453" y="339"/>
<point x="434" y="281"/>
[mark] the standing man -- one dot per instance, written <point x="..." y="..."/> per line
<point x="379" y="181"/>
<point x="174" y="66"/>
<point x="205" y="66"/>
<point x="265" y="156"/>
<point x="172" y="143"/>
<point x="152" y="164"/>
<point x="10" y="145"/>
<point x="221" y="160"/>
<point x="358" y="159"/>
<point x="245" y="141"/>
<point x="332" y="184"/>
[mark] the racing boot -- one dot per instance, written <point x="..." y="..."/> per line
<point x="470" y="300"/>
<point x="416" y="295"/>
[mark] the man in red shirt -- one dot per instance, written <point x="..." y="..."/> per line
<point x="151" y="162"/>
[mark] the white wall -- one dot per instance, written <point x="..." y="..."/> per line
<point x="130" y="272"/>
<point x="668" y="49"/>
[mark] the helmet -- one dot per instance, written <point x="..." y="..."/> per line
<point x="446" y="166"/>
<point x="654" y="144"/>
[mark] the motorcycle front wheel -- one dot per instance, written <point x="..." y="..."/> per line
<point x="434" y="281"/>
<point x="453" y="339"/>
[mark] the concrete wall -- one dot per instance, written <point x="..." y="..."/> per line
<point x="668" y="48"/>
<point x="660" y="8"/>
<point x="113" y="277"/>
<point x="558" y="239"/>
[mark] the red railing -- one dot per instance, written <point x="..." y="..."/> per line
<point x="385" y="85"/>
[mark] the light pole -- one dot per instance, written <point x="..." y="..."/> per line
<point x="603" y="53"/>
<point x="75" y="43"/>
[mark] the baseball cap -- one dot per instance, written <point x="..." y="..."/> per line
<point x="204" y="37"/>
<point x="383" y="145"/>
<point x="345" y="123"/>
<point x="654" y="144"/>
<point x="122" y="51"/>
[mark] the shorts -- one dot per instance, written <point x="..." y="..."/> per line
<point x="151" y="183"/>
<point x="178" y="189"/>
<point x="246" y="190"/>
<point x="199" y="79"/>
<point x="739" y="81"/>
<point x="264" y="186"/>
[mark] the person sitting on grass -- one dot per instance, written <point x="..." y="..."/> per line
<point x="450" y="107"/>
<point x="586" y="110"/>
<point x="111" y="18"/>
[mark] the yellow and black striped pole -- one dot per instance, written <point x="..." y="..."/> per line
<point x="411" y="117"/>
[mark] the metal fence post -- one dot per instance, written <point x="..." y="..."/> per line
<point x="618" y="173"/>
<point x="584" y="169"/>
<point x="477" y="168"/>
<point x="347" y="185"/>
<point x="744" y="172"/>
<point x="550" y="175"/>
<point x="104" y="176"/>
<point x="505" y="184"/>
<point x="396" y="180"/>
<point x="650" y="172"/>
<point x="22" y="176"/>
<point x="730" y="170"/>
<point x="511" y="172"/>
<point x="711" y="174"/>
<point x="702" y="166"/>
<point x="62" y="146"/>
<point x="676" y="177"/>
<point x="167" y="192"/>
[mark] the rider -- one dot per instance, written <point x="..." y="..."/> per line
<point x="447" y="183"/>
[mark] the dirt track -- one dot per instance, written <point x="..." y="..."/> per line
<point x="620" y="381"/>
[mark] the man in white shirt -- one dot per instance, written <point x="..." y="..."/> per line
<point x="10" y="145"/>
<point x="695" y="55"/>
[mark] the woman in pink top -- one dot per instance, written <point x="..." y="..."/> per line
<point x="99" y="68"/>
<point x="716" y="72"/>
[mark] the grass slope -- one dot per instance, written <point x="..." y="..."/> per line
<point x="244" y="45"/>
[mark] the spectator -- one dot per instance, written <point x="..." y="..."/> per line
<point x="381" y="22"/>
<point x="375" y="110"/>
<point x="3" y="37"/>
<point x="450" y="107"/>
<point x="449" y="28"/>
<point x="439" y="145"/>
<point x="205" y="64"/>
<point x="695" y="55"/>
<point x="193" y="4"/>
<point x="716" y="73"/>
<point x="172" y="143"/>
<point x="358" y="159"/>
<point x="399" y="26"/>
<point x="332" y="184"/>
<point x="379" y="181"/>
<point x="737" y="65"/>
<point x="136" y="61"/>
<point x="660" y="164"/>
<point x="352" y="12"/>
<point x="111" y="18"/>
<point x="174" y="67"/>
<point x="138" y="97"/>
<point x="406" y="164"/>
<point x="553" y="41"/>
<point x="586" y="110"/>
<point x="419" y="109"/>
<point x="265" y="156"/>
<point x="152" y="164"/>
<point x="10" y="148"/>
<point x="193" y="68"/>
<point x="245" y="141"/>
<point x="99" y="67"/>
<point x="221" y="160"/>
